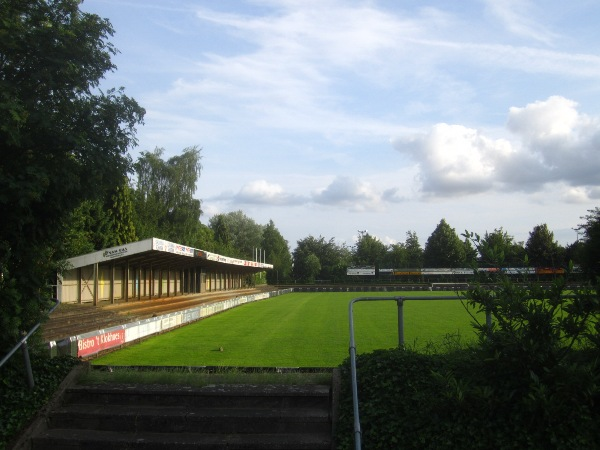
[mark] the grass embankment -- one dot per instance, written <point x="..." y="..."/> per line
<point x="298" y="330"/>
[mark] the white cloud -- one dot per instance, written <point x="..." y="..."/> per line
<point x="350" y="192"/>
<point x="554" y="118"/>
<point x="555" y="143"/>
<point x="454" y="159"/>
<point x="262" y="192"/>
<point x="344" y="193"/>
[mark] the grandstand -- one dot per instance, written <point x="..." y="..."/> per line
<point x="151" y="269"/>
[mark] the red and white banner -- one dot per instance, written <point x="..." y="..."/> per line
<point x="95" y="344"/>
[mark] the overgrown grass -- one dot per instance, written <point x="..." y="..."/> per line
<point x="298" y="330"/>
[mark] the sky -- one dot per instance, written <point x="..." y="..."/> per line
<point x="332" y="117"/>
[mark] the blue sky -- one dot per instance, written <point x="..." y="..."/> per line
<point x="333" y="116"/>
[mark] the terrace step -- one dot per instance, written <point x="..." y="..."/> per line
<point x="212" y="417"/>
<point x="71" y="319"/>
<point x="94" y="440"/>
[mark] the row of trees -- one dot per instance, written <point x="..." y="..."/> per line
<point x="160" y="202"/>
<point x="319" y="259"/>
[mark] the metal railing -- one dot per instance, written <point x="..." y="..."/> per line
<point x="23" y="345"/>
<point x="400" y="302"/>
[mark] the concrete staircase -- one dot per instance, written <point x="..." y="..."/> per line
<point x="176" y="417"/>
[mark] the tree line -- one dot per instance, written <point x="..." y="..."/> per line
<point x="159" y="202"/>
<point x="321" y="259"/>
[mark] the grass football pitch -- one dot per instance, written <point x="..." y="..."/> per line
<point x="299" y="330"/>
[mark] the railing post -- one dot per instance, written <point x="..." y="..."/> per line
<point x="357" y="430"/>
<point x="400" y="303"/>
<point x="27" y="361"/>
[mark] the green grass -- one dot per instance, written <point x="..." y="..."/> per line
<point x="297" y="330"/>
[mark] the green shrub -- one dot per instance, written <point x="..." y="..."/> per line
<point x="446" y="401"/>
<point x="532" y="380"/>
<point x="19" y="403"/>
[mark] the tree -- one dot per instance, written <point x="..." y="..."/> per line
<point x="470" y="252"/>
<point x="574" y="253"/>
<point x="396" y="256"/>
<point x="246" y="235"/>
<point x="87" y="228"/>
<point x="502" y="249"/>
<point x="205" y="239"/>
<point x="444" y="248"/>
<point x="311" y="266"/>
<point x="333" y="259"/>
<point x="98" y="224"/>
<point x="62" y="140"/>
<point x="164" y="195"/>
<point x="590" y="250"/>
<point x="413" y="250"/>
<point x="368" y="250"/>
<point x="222" y="235"/>
<point x="122" y="215"/>
<point x="541" y="248"/>
<point x="278" y="254"/>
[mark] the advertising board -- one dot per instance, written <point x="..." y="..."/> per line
<point x="94" y="344"/>
<point x="360" y="271"/>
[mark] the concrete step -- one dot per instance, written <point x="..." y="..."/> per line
<point x="212" y="417"/>
<point x="231" y="395"/>
<point x="67" y="439"/>
<point x="176" y="419"/>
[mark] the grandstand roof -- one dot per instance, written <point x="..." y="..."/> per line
<point x="157" y="252"/>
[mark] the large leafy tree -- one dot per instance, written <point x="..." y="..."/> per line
<point x="222" y="235"/>
<point x="245" y="234"/>
<point x="396" y="256"/>
<point x="89" y="228"/>
<point x="122" y="215"/>
<point x="541" y="248"/>
<point x="368" y="251"/>
<point x="164" y="195"/>
<point x="97" y="224"/>
<point x="333" y="259"/>
<point x="278" y="254"/>
<point x="444" y="248"/>
<point x="502" y="249"/>
<point x="62" y="140"/>
<point x="205" y="239"/>
<point x="414" y="250"/>
<point x="590" y="248"/>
